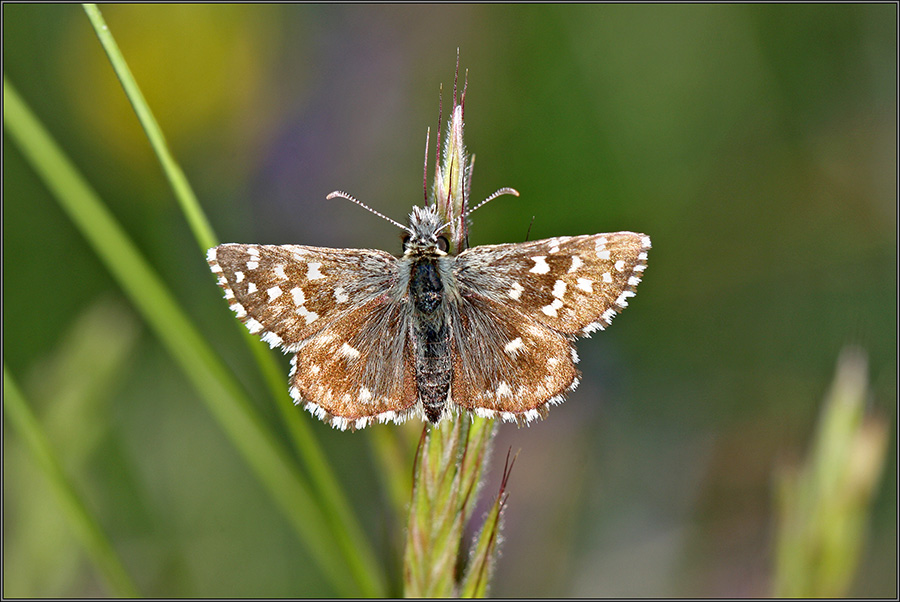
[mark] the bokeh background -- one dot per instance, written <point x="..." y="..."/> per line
<point x="757" y="145"/>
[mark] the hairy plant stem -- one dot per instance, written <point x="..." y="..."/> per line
<point x="448" y="470"/>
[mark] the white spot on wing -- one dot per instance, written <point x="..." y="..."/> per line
<point x="238" y="309"/>
<point x="340" y="296"/>
<point x="531" y="415"/>
<point x="550" y="310"/>
<point x="252" y="265"/>
<point x="607" y="277"/>
<point x="274" y="293"/>
<point x="299" y="297"/>
<point x="313" y="272"/>
<point x="251" y="288"/>
<point x="272" y="339"/>
<point x="513" y="346"/>
<point x="540" y="265"/>
<point x="484" y="413"/>
<point x="621" y="300"/>
<point x="365" y="396"/>
<point x="253" y="326"/>
<point x="279" y="272"/>
<point x="559" y="289"/>
<point x="515" y="290"/>
<point x="586" y="285"/>
<point x="503" y="390"/>
<point x="645" y="242"/>
<point x="604" y="254"/>
<point x="592" y="327"/>
<point x="349" y="352"/>
<point x="620" y="265"/>
<point x="576" y="263"/>
<point x="238" y="276"/>
<point x="309" y="316"/>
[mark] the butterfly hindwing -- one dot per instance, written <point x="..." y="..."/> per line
<point x="360" y="369"/>
<point x="506" y="364"/>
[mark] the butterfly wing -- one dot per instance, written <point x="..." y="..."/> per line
<point x="332" y="307"/>
<point x="519" y="306"/>
<point x="573" y="284"/>
<point x="360" y="370"/>
<point x="506" y="364"/>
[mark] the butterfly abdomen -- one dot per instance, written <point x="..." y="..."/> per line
<point x="431" y="333"/>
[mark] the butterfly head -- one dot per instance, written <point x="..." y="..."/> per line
<point x="424" y="233"/>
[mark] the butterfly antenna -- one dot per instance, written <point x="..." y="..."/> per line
<point x="352" y="199"/>
<point x="500" y="192"/>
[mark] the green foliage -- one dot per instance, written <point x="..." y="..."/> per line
<point x="823" y="505"/>
<point x="449" y="467"/>
<point x="83" y="522"/>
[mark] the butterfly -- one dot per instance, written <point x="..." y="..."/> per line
<point x="378" y="338"/>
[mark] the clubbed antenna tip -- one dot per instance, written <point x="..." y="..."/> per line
<point x="352" y="199"/>
<point x="500" y="192"/>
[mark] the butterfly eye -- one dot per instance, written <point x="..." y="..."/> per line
<point x="405" y="238"/>
<point x="443" y="244"/>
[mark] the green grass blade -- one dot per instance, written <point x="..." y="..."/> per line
<point x="348" y="532"/>
<point x="200" y="226"/>
<point x="85" y="526"/>
<point x="215" y="383"/>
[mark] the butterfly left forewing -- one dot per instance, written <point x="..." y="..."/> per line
<point x="573" y="284"/>
<point x="287" y="293"/>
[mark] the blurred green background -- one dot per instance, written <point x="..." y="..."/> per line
<point x="756" y="145"/>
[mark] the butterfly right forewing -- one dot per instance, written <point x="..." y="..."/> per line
<point x="572" y="284"/>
